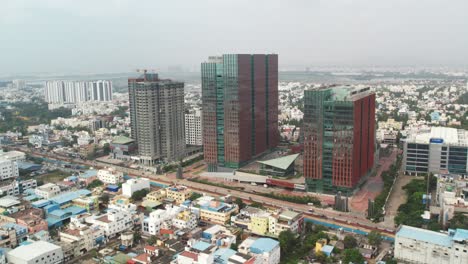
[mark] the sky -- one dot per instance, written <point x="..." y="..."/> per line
<point x="105" y="36"/>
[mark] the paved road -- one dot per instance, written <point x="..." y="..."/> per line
<point x="325" y="215"/>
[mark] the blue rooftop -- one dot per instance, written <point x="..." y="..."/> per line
<point x="75" y="210"/>
<point x="69" y="196"/>
<point x="40" y="203"/>
<point x="460" y="235"/>
<point x="327" y="249"/>
<point x="28" y="166"/>
<point x="262" y="245"/>
<point x="425" y="235"/>
<point x="20" y="230"/>
<point x="88" y="174"/>
<point x="201" y="245"/>
<point x="31" y="197"/>
<point x="222" y="255"/>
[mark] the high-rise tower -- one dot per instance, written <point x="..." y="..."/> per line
<point x="157" y="118"/>
<point x="339" y="137"/>
<point x="240" y="108"/>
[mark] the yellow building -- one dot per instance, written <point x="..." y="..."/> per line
<point x="178" y="193"/>
<point x="90" y="203"/>
<point x="259" y="224"/>
<point x="156" y="196"/>
<point x="217" y="212"/>
<point x="319" y="245"/>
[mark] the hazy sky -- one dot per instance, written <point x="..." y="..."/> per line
<point x="64" y="36"/>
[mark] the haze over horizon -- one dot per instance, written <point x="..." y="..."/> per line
<point x="63" y="36"/>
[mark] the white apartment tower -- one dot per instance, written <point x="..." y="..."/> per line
<point x="193" y="128"/>
<point x="59" y="92"/>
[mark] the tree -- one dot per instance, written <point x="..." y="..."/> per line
<point x="352" y="255"/>
<point x="321" y="257"/>
<point x="375" y="238"/>
<point x="195" y="196"/>
<point x="152" y="240"/>
<point x="94" y="184"/>
<point x="240" y="203"/>
<point x="136" y="237"/>
<point x="106" y="149"/>
<point x="138" y="195"/>
<point x="288" y="243"/>
<point x="104" y="198"/>
<point x="349" y="242"/>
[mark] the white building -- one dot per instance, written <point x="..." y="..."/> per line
<point x="416" y="245"/>
<point x="60" y="92"/>
<point x="110" y="176"/>
<point x="18" y="84"/>
<point x="100" y="91"/>
<point x="185" y="219"/>
<point x="47" y="190"/>
<point x="113" y="222"/>
<point x="16" y="156"/>
<point x="193" y="129"/>
<point x="15" y="187"/>
<point x="133" y="185"/>
<point x="152" y="224"/>
<point x="39" y="252"/>
<point x="8" y="169"/>
<point x="265" y="250"/>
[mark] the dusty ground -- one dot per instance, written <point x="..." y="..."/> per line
<point x="397" y="197"/>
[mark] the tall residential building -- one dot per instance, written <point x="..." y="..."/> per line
<point x="157" y="118"/>
<point x="193" y="129"/>
<point x="436" y="150"/>
<point x="59" y="92"/>
<point x="240" y="108"/>
<point x="339" y="137"/>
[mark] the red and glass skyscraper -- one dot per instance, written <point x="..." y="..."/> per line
<point x="240" y="108"/>
<point x="339" y="137"/>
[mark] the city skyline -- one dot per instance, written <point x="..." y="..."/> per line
<point x="84" y="36"/>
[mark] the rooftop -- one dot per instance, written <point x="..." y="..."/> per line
<point x="262" y="245"/>
<point x="9" y="201"/>
<point x="222" y="255"/>
<point x="445" y="135"/>
<point x="68" y="196"/>
<point x="88" y="174"/>
<point x="282" y="162"/>
<point x="432" y="237"/>
<point x="122" y="140"/>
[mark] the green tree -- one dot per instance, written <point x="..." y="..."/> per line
<point x="375" y="238"/>
<point x="106" y="149"/>
<point x="321" y="257"/>
<point x="288" y="243"/>
<point x="104" y="198"/>
<point x="195" y="196"/>
<point x="352" y="255"/>
<point x="138" y="195"/>
<point x="349" y="242"/>
<point x="459" y="220"/>
<point x="94" y="184"/>
<point x="240" y="203"/>
<point x="152" y="240"/>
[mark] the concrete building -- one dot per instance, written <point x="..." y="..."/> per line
<point x="8" y="169"/>
<point x="217" y="212"/>
<point x="114" y="222"/>
<point x="152" y="225"/>
<point x="265" y="250"/>
<point x="47" y="190"/>
<point x="72" y="92"/>
<point x="240" y="108"/>
<point x="133" y="185"/>
<point x="16" y="156"/>
<point x="193" y="129"/>
<point x="157" y="118"/>
<point x="39" y="252"/>
<point x="110" y="176"/>
<point x="17" y="187"/>
<point x="416" y="245"/>
<point x="185" y="219"/>
<point x="261" y="222"/>
<point x="436" y="150"/>
<point x="339" y="137"/>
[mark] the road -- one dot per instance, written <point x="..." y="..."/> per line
<point x="325" y="215"/>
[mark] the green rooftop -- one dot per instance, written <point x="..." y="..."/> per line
<point x="282" y="162"/>
<point x="122" y="140"/>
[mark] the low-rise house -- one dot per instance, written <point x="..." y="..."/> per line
<point x="265" y="250"/>
<point x="47" y="190"/>
<point x="36" y="252"/>
<point x="110" y="176"/>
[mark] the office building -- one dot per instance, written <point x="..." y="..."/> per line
<point x="18" y="84"/>
<point x="72" y="92"/>
<point x="240" y="108"/>
<point x="436" y="150"/>
<point x="339" y="137"/>
<point x="38" y="252"/>
<point x="416" y="245"/>
<point x="193" y="129"/>
<point x="157" y="118"/>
